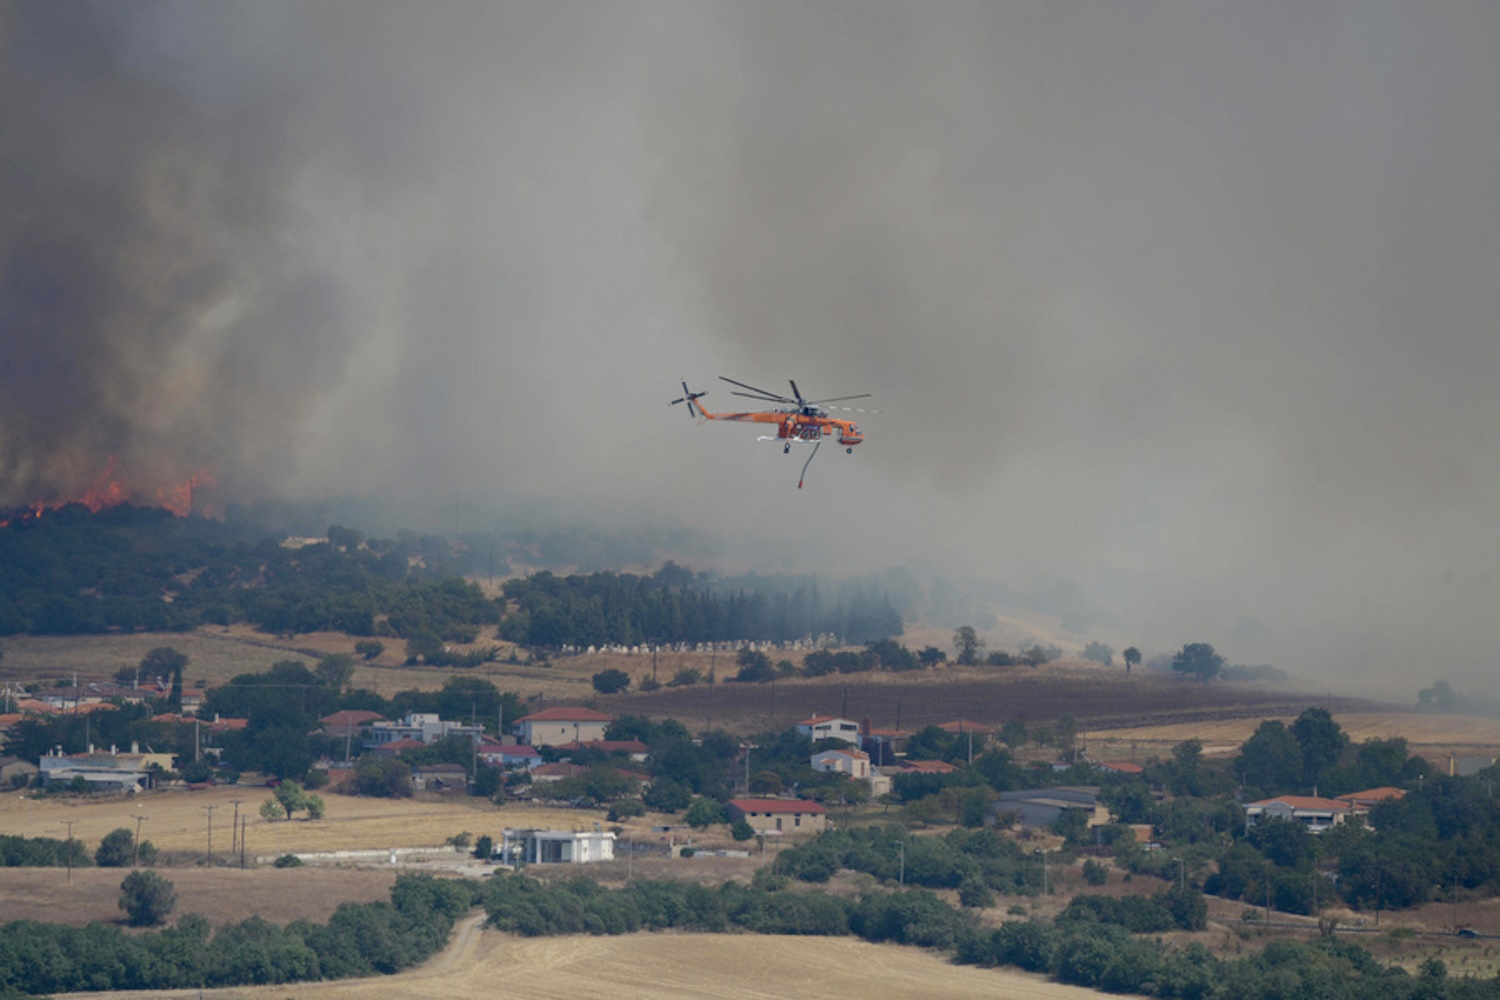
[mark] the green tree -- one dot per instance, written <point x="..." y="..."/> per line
<point x="1099" y="653"/>
<point x="755" y="667"/>
<point x="291" y="796"/>
<point x="611" y="681"/>
<point x="1132" y="657"/>
<point x="335" y="671"/>
<point x="146" y="898"/>
<point x="1199" y="660"/>
<point x="967" y="643"/>
<point x="704" y="812"/>
<point x="1322" y="743"/>
<point x="1270" y="761"/>
<point x="484" y="847"/>
<point x="369" y="649"/>
<point x="382" y="777"/>
<point x="116" y="850"/>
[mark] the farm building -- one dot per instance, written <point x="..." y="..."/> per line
<point x="781" y="815"/>
<point x="1039" y="807"/>
<point x="109" y="771"/>
<point x="556" y="847"/>
<point x="563" y="724"/>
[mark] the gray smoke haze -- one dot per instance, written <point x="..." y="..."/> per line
<point x="1193" y="305"/>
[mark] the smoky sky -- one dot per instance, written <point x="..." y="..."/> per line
<point x="1191" y="304"/>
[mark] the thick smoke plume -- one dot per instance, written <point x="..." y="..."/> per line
<point x="1190" y="305"/>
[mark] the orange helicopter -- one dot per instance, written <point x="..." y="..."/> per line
<point x="798" y="419"/>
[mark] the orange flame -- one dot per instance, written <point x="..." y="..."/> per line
<point x="110" y="488"/>
<point x="179" y="499"/>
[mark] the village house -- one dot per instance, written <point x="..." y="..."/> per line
<point x="854" y="763"/>
<point x="424" y="727"/>
<point x="826" y="727"/>
<point x="1313" y="812"/>
<point x="509" y="755"/>
<point x="348" y="723"/>
<point x="110" y="771"/>
<point x="556" y="847"/>
<point x="563" y="724"/>
<point x="778" y="815"/>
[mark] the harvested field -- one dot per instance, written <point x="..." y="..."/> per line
<point x="1428" y="734"/>
<point x="732" y="966"/>
<point x="1100" y="698"/>
<point x="177" y="820"/>
<point x="223" y="895"/>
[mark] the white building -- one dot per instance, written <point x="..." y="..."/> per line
<point x="854" y="763"/>
<point x="556" y="847"/>
<point x="562" y="724"/>
<point x="826" y="727"/>
<point x="424" y="727"/>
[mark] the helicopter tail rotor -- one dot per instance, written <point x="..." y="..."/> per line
<point x="688" y="397"/>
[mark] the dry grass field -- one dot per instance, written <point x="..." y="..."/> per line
<point x="663" y="966"/>
<point x="223" y="895"/>
<point x="1428" y="734"/>
<point x="177" y="820"/>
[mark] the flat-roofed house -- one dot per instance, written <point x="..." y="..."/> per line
<point x="827" y="727"/>
<point x="556" y="847"/>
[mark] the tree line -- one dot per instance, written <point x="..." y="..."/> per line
<point x="360" y="939"/>
<point x="140" y="569"/>
<point x="671" y="606"/>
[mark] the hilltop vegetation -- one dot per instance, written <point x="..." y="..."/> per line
<point x="139" y="569"/>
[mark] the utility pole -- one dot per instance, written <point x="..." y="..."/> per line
<point x="210" y="810"/>
<point x="244" y="825"/>
<point x="69" y="824"/>
<point x="135" y="858"/>
<point x="234" y="828"/>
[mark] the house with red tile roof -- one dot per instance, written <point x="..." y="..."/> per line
<point x="562" y="724"/>
<point x="922" y="767"/>
<point x="1120" y="767"/>
<point x="1371" y="797"/>
<point x="778" y="815"/>
<point x="394" y="748"/>
<point x="1314" y="812"/>
<point x="348" y="722"/>
<point x="960" y="727"/>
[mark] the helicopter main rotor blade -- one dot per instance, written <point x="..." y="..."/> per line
<point x="839" y="399"/>
<point x="797" y="392"/>
<point x="763" y="393"/>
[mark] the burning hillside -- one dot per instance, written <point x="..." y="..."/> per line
<point x="112" y="487"/>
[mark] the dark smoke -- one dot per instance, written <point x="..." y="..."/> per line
<point x="1192" y="306"/>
